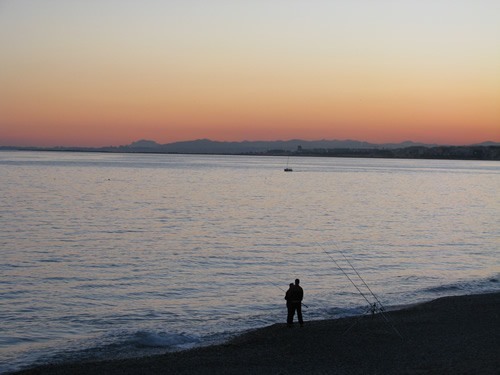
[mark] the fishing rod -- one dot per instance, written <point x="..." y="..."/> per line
<point x="276" y="285"/>
<point x="362" y="280"/>
<point x="373" y="306"/>
<point x="345" y="274"/>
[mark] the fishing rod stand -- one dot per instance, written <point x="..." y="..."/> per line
<point x="375" y="308"/>
<point x="372" y="309"/>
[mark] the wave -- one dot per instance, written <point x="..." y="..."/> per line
<point x="469" y="286"/>
<point x="164" y="340"/>
<point x="117" y="345"/>
<point x="140" y="342"/>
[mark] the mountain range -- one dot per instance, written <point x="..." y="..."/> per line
<point x="206" y="146"/>
<point x="342" y="148"/>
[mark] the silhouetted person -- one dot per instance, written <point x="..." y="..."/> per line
<point x="293" y="298"/>
<point x="287" y="296"/>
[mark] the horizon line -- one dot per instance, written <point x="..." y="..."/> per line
<point x="418" y="143"/>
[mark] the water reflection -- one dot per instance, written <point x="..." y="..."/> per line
<point x="94" y="244"/>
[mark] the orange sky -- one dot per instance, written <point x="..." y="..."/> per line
<point x="109" y="73"/>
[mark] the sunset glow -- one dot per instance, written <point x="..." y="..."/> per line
<point x="112" y="72"/>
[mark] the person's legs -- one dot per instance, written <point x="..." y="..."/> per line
<point x="291" y="313"/>
<point x="299" y="313"/>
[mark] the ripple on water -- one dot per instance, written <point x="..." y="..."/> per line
<point x="122" y="254"/>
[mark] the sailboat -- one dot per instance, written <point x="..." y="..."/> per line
<point x="287" y="169"/>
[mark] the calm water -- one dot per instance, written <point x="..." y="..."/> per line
<point x="113" y="255"/>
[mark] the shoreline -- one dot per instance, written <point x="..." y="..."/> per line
<point x="458" y="153"/>
<point x="449" y="335"/>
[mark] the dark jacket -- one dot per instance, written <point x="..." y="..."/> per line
<point x="294" y="294"/>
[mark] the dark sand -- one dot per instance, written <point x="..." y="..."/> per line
<point x="452" y="335"/>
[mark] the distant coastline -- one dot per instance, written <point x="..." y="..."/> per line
<point x="321" y="148"/>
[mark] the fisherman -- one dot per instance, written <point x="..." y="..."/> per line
<point x="287" y="296"/>
<point x="293" y="298"/>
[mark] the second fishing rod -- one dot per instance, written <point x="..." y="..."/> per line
<point x="374" y="306"/>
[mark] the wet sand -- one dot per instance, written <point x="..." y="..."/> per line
<point x="451" y="335"/>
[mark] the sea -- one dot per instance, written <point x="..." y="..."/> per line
<point x="108" y="255"/>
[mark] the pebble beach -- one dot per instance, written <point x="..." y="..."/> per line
<point x="449" y="335"/>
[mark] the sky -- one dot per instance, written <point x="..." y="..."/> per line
<point x="110" y="72"/>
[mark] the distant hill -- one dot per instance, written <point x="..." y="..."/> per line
<point x="206" y="146"/>
<point x="487" y="143"/>
<point x="144" y="144"/>
<point x="337" y="148"/>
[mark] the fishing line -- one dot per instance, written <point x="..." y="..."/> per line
<point x="276" y="285"/>
<point x="373" y="306"/>
<point x="362" y="280"/>
<point x="345" y="274"/>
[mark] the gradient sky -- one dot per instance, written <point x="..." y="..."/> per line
<point x="109" y="72"/>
